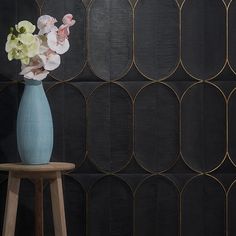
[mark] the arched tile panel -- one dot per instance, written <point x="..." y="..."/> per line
<point x="156" y="127"/>
<point x="110" y="208"/>
<point x="203" y="37"/>
<point x="203" y="127"/>
<point x="110" y="38"/>
<point x="156" y="35"/>
<point x="110" y="127"/>
<point x="73" y="60"/>
<point x="157" y="207"/>
<point x="203" y="207"/>
<point x="69" y="130"/>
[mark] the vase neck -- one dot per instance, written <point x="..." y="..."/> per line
<point x="32" y="82"/>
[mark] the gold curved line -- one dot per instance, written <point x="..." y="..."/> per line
<point x="231" y="67"/>
<point x="224" y="4"/>
<point x="230" y="188"/>
<point x="161" y="176"/>
<point x="177" y="3"/>
<point x="182" y="4"/>
<point x="188" y="181"/>
<point x="189" y="88"/>
<point x="132" y="157"/>
<point x="222" y="69"/>
<point x="109" y="171"/>
<point x="205" y="79"/>
<point x="53" y="85"/>
<point x="226" y="117"/>
<point x="218" y="166"/>
<point x="75" y="180"/>
<point x="229" y="3"/>
<point x="148" y="83"/>
<point x="218" y="88"/>
<point x="170" y="87"/>
<point x="142" y="166"/>
<point x="203" y="175"/>
<point x="217" y="180"/>
<point x="129" y="64"/>
<point x="110" y="83"/>
<point x="156" y="83"/>
<point x="37" y="3"/>
<point x="207" y="83"/>
<point x="54" y="78"/>
<point x="188" y="165"/>
<point x="186" y="71"/>
<point x="96" y="166"/>
<point x="97" y="87"/>
<point x="231" y="160"/>
<point x="42" y="6"/>
<point x="67" y="84"/>
<point x="231" y="94"/>
<point x="173" y="162"/>
<point x="112" y="176"/>
<point x="119" y="83"/>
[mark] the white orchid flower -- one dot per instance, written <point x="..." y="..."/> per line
<point x="25" y="27"/>
<point x="57" y="44"/>
<point x="58" y="40"/>
<point x="39" y="53"/>
<point x="67" y="23"/>
<point x="34" y="70"/>
<point x="45" y="24"/>
<point x="68" y="19"/>
<point x="50" y="60"/>
<point x="40" y="75"/>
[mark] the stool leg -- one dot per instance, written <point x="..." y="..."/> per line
<point x="39" y="207"/>
<point x="58" y="206"/>
<point x="11" y="205"/>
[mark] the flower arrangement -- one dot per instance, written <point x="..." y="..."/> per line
<point x="39" y="53"/>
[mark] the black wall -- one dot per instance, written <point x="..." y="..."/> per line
<point x="144" y="103"/>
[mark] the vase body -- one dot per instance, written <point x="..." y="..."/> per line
<point x="34" y="125"/>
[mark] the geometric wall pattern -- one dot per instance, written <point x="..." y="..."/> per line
<point x="145" y="104"/>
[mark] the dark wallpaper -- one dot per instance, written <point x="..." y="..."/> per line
<point x="144" y="103"/>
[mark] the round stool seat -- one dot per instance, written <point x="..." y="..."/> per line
<point x="50" y="167"/>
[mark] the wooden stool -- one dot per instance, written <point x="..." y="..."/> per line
<point x="37" y="173"/>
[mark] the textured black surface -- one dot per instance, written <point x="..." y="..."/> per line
<point x="156" y="37"/>
<point x="142" y="110"/>
<point x="203" y="37"/>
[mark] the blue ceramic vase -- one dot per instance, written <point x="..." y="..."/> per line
<point x="34" y="125"/>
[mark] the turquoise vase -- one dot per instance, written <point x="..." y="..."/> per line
<point x="34" y="125"/>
